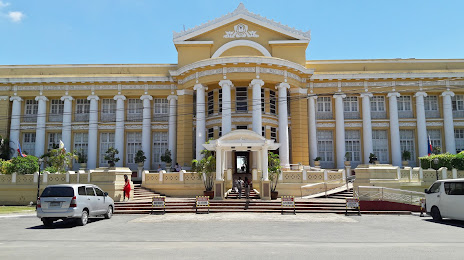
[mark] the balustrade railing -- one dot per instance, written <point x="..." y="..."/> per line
<point x="371" y="193"/>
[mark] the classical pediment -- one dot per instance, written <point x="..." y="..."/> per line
<point x="242" y="24"/>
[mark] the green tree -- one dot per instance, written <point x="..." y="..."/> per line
<point x="274" y="169"/>
<point x="59" y="160"/>
<point x="206" y="167"/>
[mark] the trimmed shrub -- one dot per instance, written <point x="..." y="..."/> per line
<point x="458" y="161"/>
<point x="25" y="165"/>
<point x="6" y="167"/>
<point x="447" y="160"/>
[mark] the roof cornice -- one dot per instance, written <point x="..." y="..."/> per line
<point x="241" y="13"/>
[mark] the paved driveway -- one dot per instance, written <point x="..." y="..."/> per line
<point x="234" y="236"/>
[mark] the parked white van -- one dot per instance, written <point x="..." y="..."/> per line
<point x="445" y="199"/>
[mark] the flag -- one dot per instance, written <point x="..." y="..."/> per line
<point x="430" y="146"/>
<point x="61" y="144"/>
<point x="20" y="152"/>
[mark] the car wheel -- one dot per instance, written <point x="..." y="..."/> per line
<point x="47" y="222"/>
<point x="109" y="213"/>
<point x="84" y="218"/>
<point x="436" y="214"/>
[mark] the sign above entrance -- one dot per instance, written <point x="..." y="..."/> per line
<point x="241" y="31"/>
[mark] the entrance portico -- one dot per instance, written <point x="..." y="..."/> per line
<point x="241" y="141"/>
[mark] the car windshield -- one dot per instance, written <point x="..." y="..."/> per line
<point x="58" y="192"/>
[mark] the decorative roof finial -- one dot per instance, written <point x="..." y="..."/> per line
<point x="241" y="7"/>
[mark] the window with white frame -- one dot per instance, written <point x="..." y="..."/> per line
<point x="435" y="139"/>
<point x="353" y="145"/>
<point x="160" y="145"/>
<point x="106" y="141"/>
<point x="377" y="104"/>
<point x="210" y="103"/>
<point x="407" y="142"/>
<point x="458" y="102"/>
<point x="220" y="100"/>
<point x="459" y="139"/>
<point x="56" y="110"/>
<point x="350" y="104"/>
<point x="82" y="110"/>
<point x="210" y="133"/>
<point x="274" y="134"/>
<point x="380" y="145"/>
<point x="161" y="109"/>
<point x="81" y="142"/>
<point x="324" y="104"/>
<point x="30" y="111"/>
<point x="431" y="107"/>
<point x="134" y="109"/>
<point x="404" y="103"/>
<point x="28" y="146"/>
<point x="325" y="148"/>
<point x="108" y="112"/>
<point x="272" y="102"/>
<point x="53" y="140"/>
<point x="134" y="143"/>
<point x="241" y="100"/>
<point x="262" y="101"/>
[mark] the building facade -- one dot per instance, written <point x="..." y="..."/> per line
<point x="240" y="71"/>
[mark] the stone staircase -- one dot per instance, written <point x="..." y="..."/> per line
<point x="234" y="195"/>
<point x="342" y="195"/>
<point x="142" y="194"/>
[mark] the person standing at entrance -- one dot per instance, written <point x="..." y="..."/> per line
<point x="127" y="188"/>
<point x="247" y="188"/>
<point x="239" y="186"/>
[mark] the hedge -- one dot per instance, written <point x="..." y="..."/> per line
<point x="20" y="165"/>
<point x="447" y="160"/>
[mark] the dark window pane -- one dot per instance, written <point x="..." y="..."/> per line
<point x="58" y="192"/>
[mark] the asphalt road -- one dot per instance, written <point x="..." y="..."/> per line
<point x="234" y="236"/>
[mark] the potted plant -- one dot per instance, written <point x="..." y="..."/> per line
<point x="372" y="158"/>
<point x="81" y="158"/>
<point x="406" y="155"/>
<point x="206" y="169"/>
<point x="347" y="159"/>
<point x="111" y="156"/>
<point x="140" y="158"/>
<point x="274" y="169"/>
<point x="166" y="158"/>
<point x="317" y="162"/>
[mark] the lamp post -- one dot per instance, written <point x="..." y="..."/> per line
<point x="38" y="181"/>
<point x="435" y="162"/>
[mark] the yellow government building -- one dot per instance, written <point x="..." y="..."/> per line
<point x="242" y="80"/>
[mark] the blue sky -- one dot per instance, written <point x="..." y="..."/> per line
<point x="140" y="31"/>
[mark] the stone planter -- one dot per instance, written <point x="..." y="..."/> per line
<point x="317" y="163"/>
<point x="405" y="163"/>
<point x="209" y="193"/>
<point x="347" y="163"/>
<point x="140" y="164"/>
<point x="274" y="195"/>
<point x="82" y="166"/>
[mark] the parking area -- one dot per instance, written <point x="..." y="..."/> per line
<point x="234" y="236"/>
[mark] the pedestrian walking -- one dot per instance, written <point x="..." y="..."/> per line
<point x="127" y="188"/>
<point x="247" y="184"/>
<point x="239" y="186"/>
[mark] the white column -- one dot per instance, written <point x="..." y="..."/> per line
<point x="201" y="120"/>
<point x="394" y="129"/>
<point x="218" y="164"/>
<point x="146" y="129"/>
<point x="40" y="129"/>
<point x="93" y="132"/>
<point x="67" y="118"/>
<point x="172" y="134"/>
<point x="340" y="130"/>
<point x="119" y="131"/>
<point x="421" y="126"/>
<point x="283" y="125"/>
<point x="226" y="86"/>
<point x="264" y="160"/>
<point x="15" y="122"/>
<point x="256" y="85"/>
<point x="367" y="126"/>
<point x="448" y="122"/>
<point x="312" y="129"/>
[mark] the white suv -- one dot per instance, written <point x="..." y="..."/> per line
<point x="78" y="201"/>
<point x="445" y="199"/>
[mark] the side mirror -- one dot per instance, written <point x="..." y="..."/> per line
<point x="426" y="191"/>
<point x="105" y="194"/>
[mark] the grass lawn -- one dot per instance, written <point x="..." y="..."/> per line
<point x="16" y="209"/>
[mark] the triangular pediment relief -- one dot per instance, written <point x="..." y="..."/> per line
<point x="241" y="24"/>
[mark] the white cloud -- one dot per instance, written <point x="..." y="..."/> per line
<point x="2" y="4"/>
<point x="16" y="16"/>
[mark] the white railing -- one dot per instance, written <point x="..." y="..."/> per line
<point x="371" y="193"/>
<point x="321" y="187"/>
